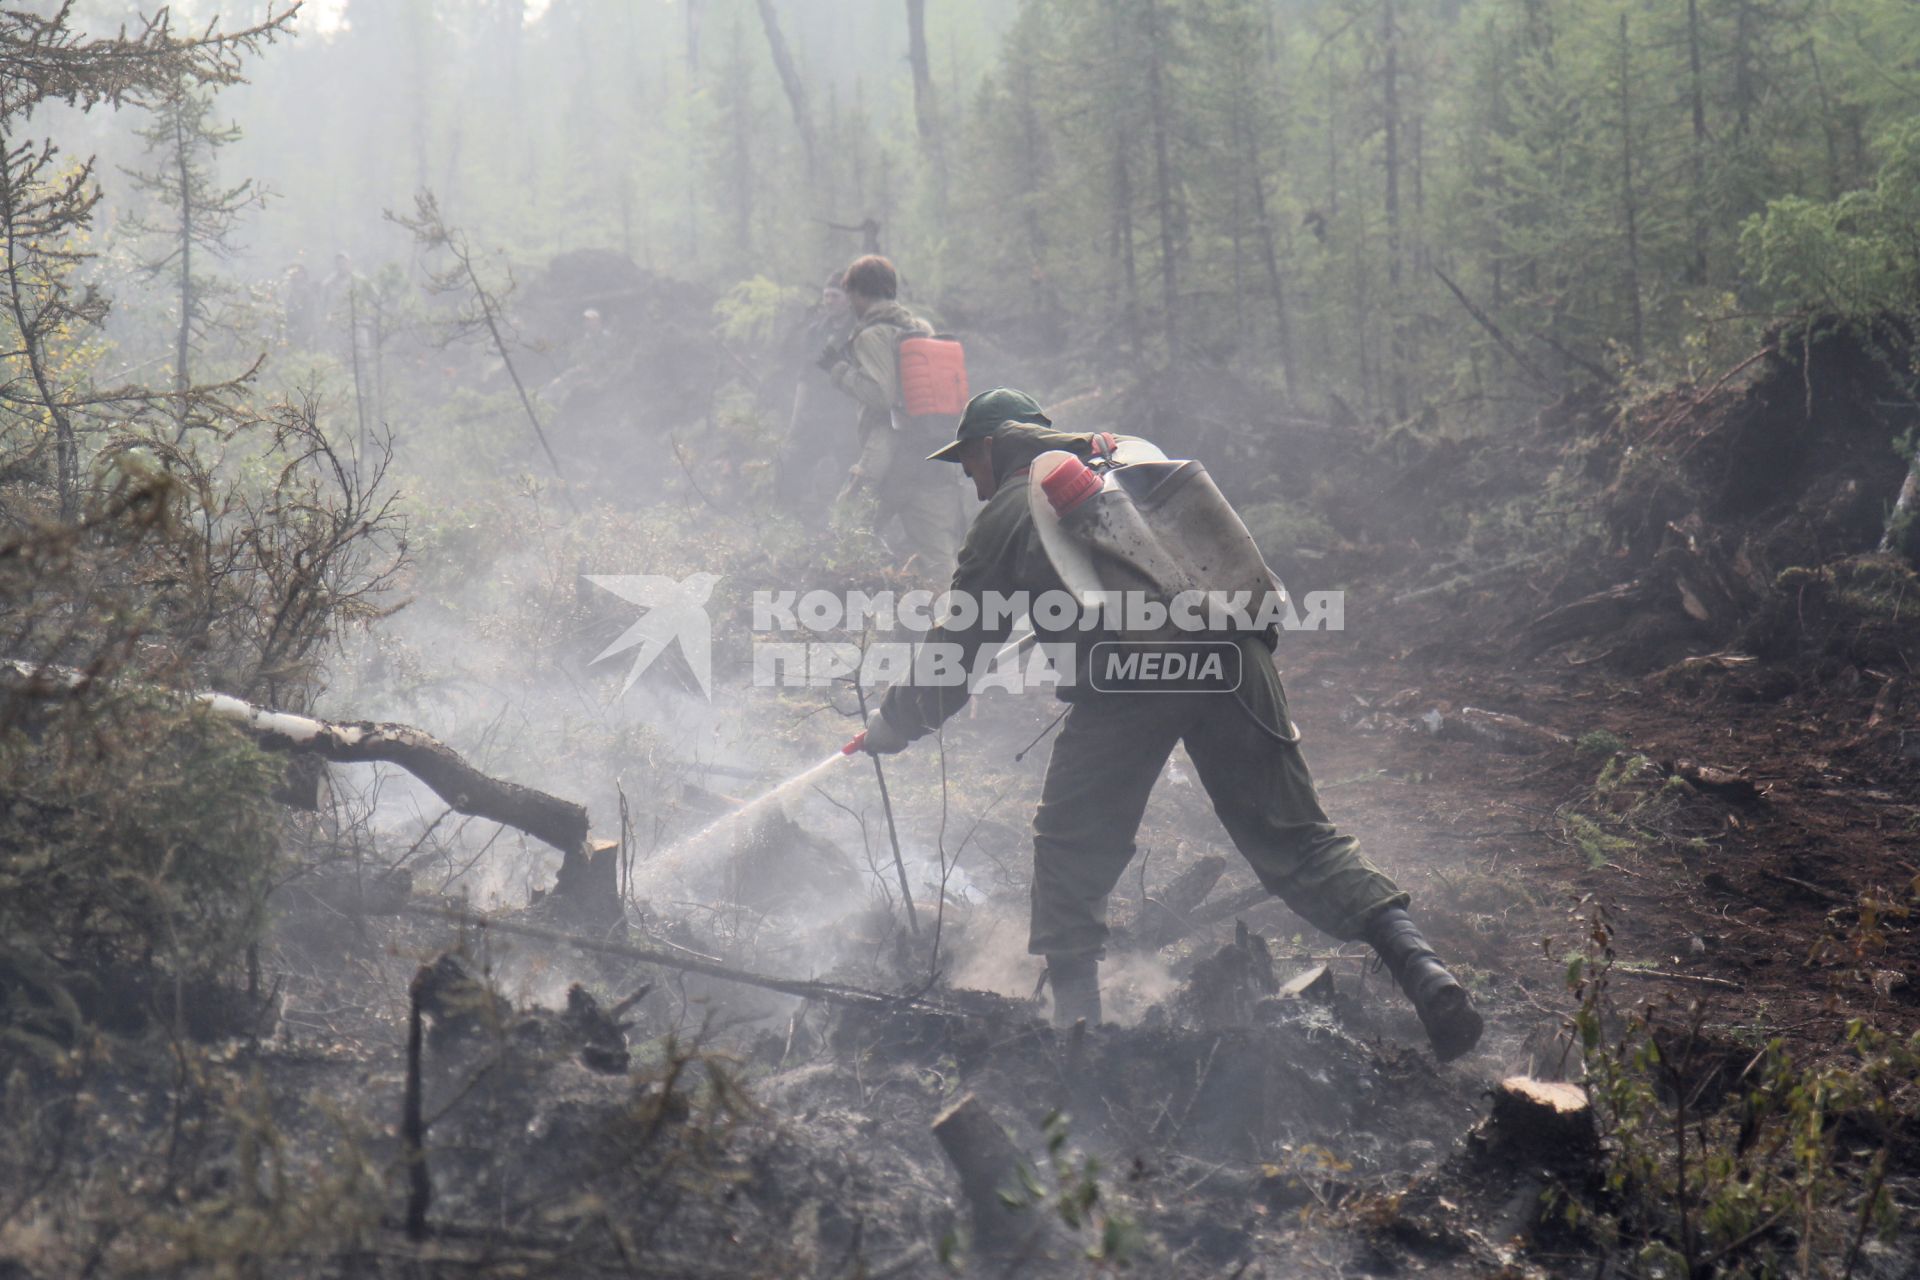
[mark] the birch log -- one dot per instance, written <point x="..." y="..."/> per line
<point x="560" y="823"/>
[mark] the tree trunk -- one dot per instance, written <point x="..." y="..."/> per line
<point x="1900" y="535"/>
<point x="1835" y="184"/>
<point x="741" y="92"/>
<point x="1123" y="238"/>
<point x="1282" y="324"/>
<point x="27" y="323"/>
<point x="353" y="352"/>
<point x="926" y="111"/>
<point x="183" y="338"/>
<point x="1629" y="204"/>
<point x="1744" y="92"/>
<point x="1163" y="183"/>
<point x="413" y="1124"/>
<point x="796" y="89"/>
<point x="1033" y="176"/>
<point x="1698" y="273"/>
<point x="1396" y="353"/>
<point x="421" y="78"/>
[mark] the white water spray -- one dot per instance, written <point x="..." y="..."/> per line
<point x="676" y="857"/>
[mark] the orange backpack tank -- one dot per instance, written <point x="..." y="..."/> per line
<point x="933" y="376"/>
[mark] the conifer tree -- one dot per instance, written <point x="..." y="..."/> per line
<point x="191" y="221"/>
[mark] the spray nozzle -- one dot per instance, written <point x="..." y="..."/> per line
<point x="859" y="742"/>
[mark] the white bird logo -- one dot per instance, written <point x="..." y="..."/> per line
<point x="675" y="610"/>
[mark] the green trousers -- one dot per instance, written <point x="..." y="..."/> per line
<point x="892" y="479"/>
<point x="1103" y="767"/>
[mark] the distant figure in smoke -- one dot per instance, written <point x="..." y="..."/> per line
<point x="334" y="288"/>
<point x="1116" y="742"/>
<point x="595" y="337"/>
<point x="301" y="299"/>
<point x="886" y="481"/>
<point x="816" y="441"/>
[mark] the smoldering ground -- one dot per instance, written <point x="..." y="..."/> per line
<point x="397" y="329"/>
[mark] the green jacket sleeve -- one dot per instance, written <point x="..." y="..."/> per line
<point x="992" y="559"/>
<point x="871" y="377"/>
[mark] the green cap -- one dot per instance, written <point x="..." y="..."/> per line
<point x="988" y="410"/>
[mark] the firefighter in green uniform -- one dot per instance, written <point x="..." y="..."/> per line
<point x="1114" y="744"/>
<point x="887" y="481"/>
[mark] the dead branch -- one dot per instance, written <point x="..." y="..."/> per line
<point x="1468" y="579"/>
<point x="1486" y="322"/>
<point x="1605" y="375"/>
<point x="828" y="992"/>
<point x="1663" y="975"/>
<point x="413" y="1128"/>
<point x="1807" y="886"/>
<point x="1590" y="615"/>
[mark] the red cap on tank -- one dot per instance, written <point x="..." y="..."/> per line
<point x="1069" y="485"/>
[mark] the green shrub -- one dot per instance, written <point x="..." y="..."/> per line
<point x="139" y="838"/>
<point x="1731" y="1164"/>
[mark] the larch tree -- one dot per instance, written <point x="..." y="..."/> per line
<point x="47" y="205"/>
<point x="190" y="222"/>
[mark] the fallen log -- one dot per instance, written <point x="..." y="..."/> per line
<point x="1225" y="909"/>
<point x="1164" y="917"/>
<point x="1495" y="729"/>
<point x="694" y="962"/>
<point x="560" y="823"/>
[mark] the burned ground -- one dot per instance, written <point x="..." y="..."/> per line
<point x="1717" y="812"/>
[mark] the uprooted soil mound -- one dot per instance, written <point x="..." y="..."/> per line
<point x="644" y="362"/>
<point x="1794" y="453"/>
<point x="1748" y="515"/>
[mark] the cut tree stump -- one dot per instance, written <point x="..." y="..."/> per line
<point x="1544" y="1119"/>
<point x="989" y="1163"/>
<point x="1315" y="985"/>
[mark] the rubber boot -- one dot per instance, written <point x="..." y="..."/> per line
<point x="1076" y="989"/>
<point x="1446" y="1010"/>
